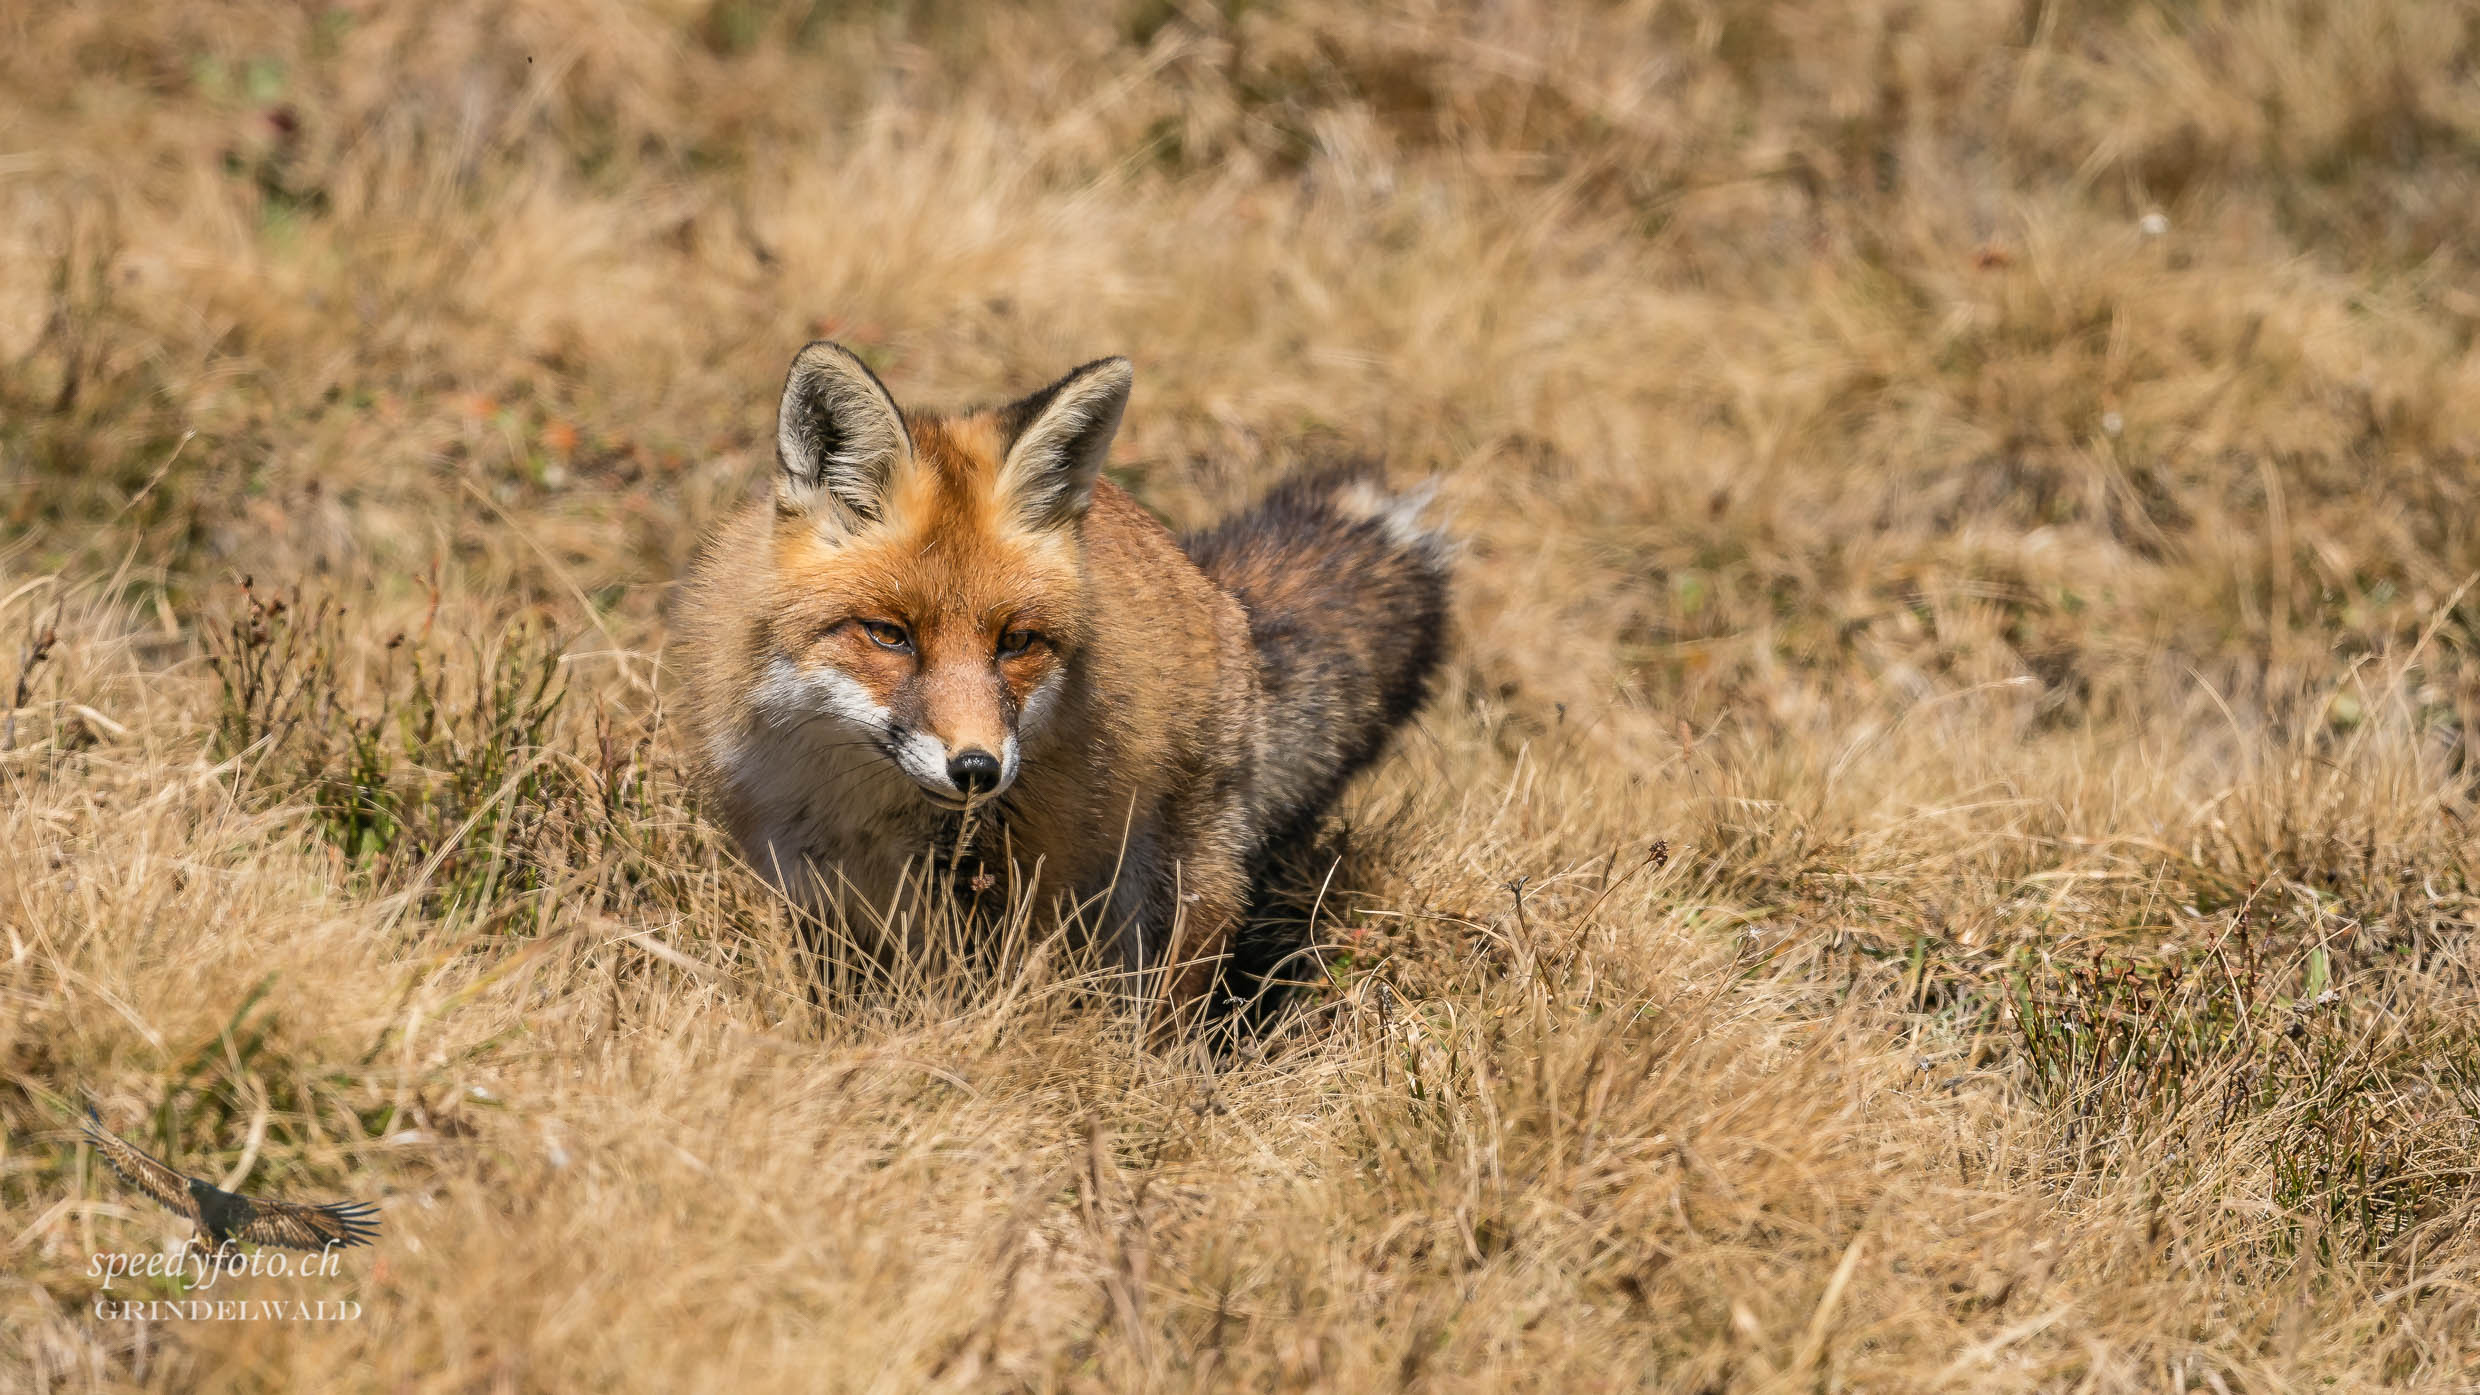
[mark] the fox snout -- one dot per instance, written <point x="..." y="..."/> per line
<point x="975" y="771"/>
<point x="955" y="718"/>
<point x="946" y="714"/>
<point x="954" y="773"/>
<point x="956" y="761"/>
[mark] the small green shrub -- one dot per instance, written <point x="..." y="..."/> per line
<point x="458" y="789"/>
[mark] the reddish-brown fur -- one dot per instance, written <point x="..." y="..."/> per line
<point x="947" y="564"/>
<point x="1043" y="613"/>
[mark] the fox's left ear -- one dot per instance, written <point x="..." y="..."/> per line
<point x="1058" y="438"/>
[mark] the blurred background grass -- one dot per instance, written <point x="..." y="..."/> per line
<point x="1991" y="484"/>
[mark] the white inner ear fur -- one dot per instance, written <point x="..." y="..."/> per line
<point x="1050" y="470"/>
<point x="839" y="435"/>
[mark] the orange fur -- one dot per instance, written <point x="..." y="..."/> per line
<point x="1134" y="791"/>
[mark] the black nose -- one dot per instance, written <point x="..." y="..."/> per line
<point x="973" y="771"/>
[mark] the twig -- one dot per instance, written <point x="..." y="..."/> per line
<point x="38" y="648"/>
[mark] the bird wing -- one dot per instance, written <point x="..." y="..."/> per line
<point x="140" y="1168"/>
<point x="299" y="1227"/>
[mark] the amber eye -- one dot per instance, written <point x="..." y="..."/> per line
<point x="1016" y="642"/>
<point x="887" y="636"/>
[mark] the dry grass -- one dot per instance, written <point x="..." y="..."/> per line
<point x="1992" y="487"/>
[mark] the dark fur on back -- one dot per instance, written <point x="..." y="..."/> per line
<point x="1346" y="594"/>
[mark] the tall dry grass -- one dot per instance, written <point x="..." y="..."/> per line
<point x="1992" y="487"/>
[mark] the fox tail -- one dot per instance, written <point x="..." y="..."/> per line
<point x="1345" y="587"/>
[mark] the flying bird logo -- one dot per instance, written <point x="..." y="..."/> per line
<point x="223" y="1217"/>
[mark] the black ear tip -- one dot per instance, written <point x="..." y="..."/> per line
<point x="1114" y="377"/>
<point x="821" y="363"/>
<point x="1109" y="368"/>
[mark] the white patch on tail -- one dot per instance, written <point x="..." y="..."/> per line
<point x="1398" y="515"/>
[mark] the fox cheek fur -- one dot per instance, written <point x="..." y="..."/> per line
<point x="937" y="612"/>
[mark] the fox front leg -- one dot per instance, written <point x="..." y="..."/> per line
<point x="1209" y="913"/>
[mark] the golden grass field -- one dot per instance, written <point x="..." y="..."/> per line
<point x="1995" y="488"/>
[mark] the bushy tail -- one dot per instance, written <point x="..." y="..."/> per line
<point x="1346" y="592"/>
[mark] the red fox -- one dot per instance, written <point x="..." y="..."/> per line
<point x="950" y="627"/>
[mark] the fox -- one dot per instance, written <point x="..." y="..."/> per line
<point x="945" y="639"/>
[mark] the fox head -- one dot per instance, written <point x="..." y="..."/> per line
<point x="930" y="600"/>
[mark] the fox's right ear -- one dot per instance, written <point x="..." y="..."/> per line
<point x="839" y="436"/>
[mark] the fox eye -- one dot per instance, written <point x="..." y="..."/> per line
<point x="1016" y="642"/>
<point x="887" y="636"/>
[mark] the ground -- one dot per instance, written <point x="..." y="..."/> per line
<point x="1989" y="490"/>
